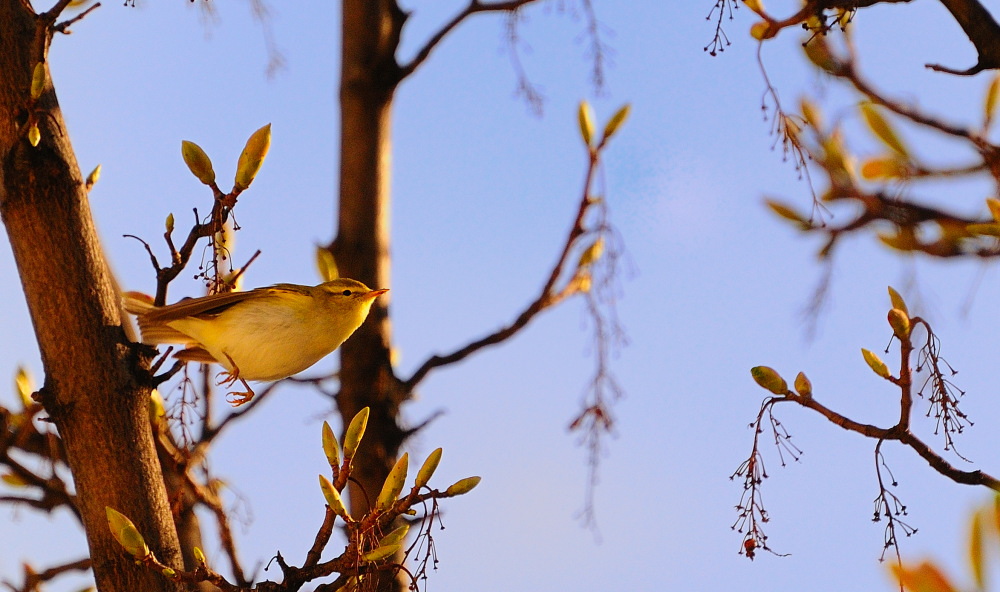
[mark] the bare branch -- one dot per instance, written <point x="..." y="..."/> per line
<point x="981" y="29"/>
<point x="474" y="7"/>
<point x="545" y="298"/>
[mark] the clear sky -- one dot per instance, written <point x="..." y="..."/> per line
<point x="483" y="193"/>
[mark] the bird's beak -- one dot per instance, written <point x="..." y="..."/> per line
<point x="375" y="294"/>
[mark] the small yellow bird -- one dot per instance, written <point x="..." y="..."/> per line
<point x="264" y="334"/>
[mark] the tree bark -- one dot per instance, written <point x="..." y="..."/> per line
<point x="369" y="76"/>
<point x="91" y="391"/>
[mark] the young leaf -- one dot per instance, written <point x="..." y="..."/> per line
<point x="326" y="264"/>
<point x="976" y="549"/>
<point x="381" y="552"/>
<point x="882" y="129"/>
<point x="897" y="300"/>
<point x="990" y="105"/>
<point x="25" y="386"/>
<point x="396" y="536"/>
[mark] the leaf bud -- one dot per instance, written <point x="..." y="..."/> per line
<point x="355" y="432"/>
<point x="427" y="470"/>
<point x="331" y="448"/>
<point x="802" y="385"/>
<point x="616" y="121"/>
<point x="333" y="498"/>
<point x="38" y="81"/>
<point x="34" y="136"/>
<point x="198" y="162"/>
<point x="876" y="364"/>
<point x="769" y="379"/>
<point x="462" y="486"/>
<point x="900" y="323"/>
<point x="252" y="157"/>
<point x="126" y="534"/>
<point x="393" y="484"/>
<point x="586" y="117"/>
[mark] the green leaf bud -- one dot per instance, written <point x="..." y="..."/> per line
<point x="126" y="534"/>
<point x="462" y="486"/>
<point x="427" y="470"/>
<point x="355" y="432"/>
<point x="393" y="484"/>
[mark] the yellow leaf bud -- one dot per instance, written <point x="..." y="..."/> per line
<point x="586" y="117"/>
<point x="897" y="300"/>
<point x="462" y="486"/>
<point x="876" y="363"/>
<point x="326" y="264"/>
<point x="331" y="448"/>
<point x="198" y="162"/>
<point x="126" y="534"/>
<point x="34" y="136"/>
<point x="428" y="468"/>
<point x="616" y="121"/>
<point x="355" y="432"/>
<point x="900" y="323"/>
<point x="38" y="80"/>
<point x="393" y="484"/>
<point x="769" y="379"/>
<point x="253" y="156"/>
<point x="333" y="498"/>
<point x="25" y="386"/>
<point x="802" y="385"/>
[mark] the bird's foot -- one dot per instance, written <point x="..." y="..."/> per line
<point x="228" y="379"/>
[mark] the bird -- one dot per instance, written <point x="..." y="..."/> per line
<point x="264" y="334"/>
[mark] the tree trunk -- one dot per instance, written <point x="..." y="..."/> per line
<point x="369" y="76"/>
<point x="90" y="392"/>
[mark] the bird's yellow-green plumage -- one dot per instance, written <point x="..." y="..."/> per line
<point x="264" y="334"/>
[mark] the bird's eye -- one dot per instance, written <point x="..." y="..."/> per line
<point x="346" y="292"/>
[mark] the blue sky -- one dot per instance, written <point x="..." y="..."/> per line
<point x="483" y="193"/>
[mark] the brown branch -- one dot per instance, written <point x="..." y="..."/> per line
<point x="61" y="27"/>
<point x="942" y="466"/>
<point x="847" y="423"/>
<point x="474" y="7"/>
<point x="544" y="299"/>
<point x="322" y="538"/>
<point x="33" y="579"/>
<point x="981" y="29"/>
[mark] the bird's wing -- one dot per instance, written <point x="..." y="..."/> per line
<point x="202" y="306"/>
<point x="195" y="354"/>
